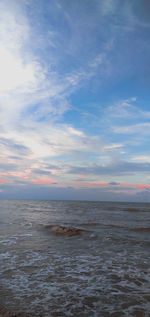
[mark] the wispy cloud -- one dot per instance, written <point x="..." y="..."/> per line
<point x="117" y="167"/>
<point x="42" y="181"/>
<point x="133" y="129"/>
<point x="141" y="158"/>
<point x="4" y="181"/>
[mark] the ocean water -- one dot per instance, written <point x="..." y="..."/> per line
<point x="105" y="271"/>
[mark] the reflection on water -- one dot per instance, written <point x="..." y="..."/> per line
<point x="102" y="272"/>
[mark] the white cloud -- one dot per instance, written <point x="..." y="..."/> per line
<point x="13" y="74"/>
<point x="133" y="129"/>
<point x="127" y="109"/>
<point x="123" y="109"/>
<point x="31" y="96"/>
<point x="30" y="90"/>
<point x="14" y="28"/>
<point x="141" y="158"/>
<point x="112" y="147"/>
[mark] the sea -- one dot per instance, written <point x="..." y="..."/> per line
<point x="104" y="271"/>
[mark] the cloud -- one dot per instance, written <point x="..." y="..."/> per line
<point x="141" y="158"/>
<point x="4" y="181"/>
<point x="13" y="147"/>
<point x="7" y="166"/>
<point x="43" y="181"/>
<point x="143" y="195"/>
<point x="24" y="80"/>
<point x="32" y="92"/>
<point x="123" y="109"/>
<point x="127" y="109"/>
<point x="39" y="171"/>
<point x="114" y="168"/>
<point x="142" y="128"/>
<point x="112" y="147"/>
<point x="114" y="183"/>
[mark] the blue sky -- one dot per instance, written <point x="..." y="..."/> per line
<point x="74" y="99"/>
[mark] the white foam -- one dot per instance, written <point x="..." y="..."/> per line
<point x="27" y="225"/>
<point x="5" y="255"/>
<point x="23" y="235"/>
<point x="8" y="242"/>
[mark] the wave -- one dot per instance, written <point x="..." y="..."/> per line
<point x="66" y="231"/>
<point x="88" y="224"/>
<point x="116" y="226"/>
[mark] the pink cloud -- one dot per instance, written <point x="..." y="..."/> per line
<point x="81" y="176"/>
<point x="42" y="181"/>
<point x="87" y="184"/>
<point x="91" y="184"/>
<point x="135" y="185"/>
<point x="20" y="174"/>
<point x="120" y="184"/>
<point x="4" y="181"/>
<point x="144" y="186"/>
<point x="105" y="184"/>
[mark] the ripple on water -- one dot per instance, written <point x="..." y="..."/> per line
<point x="71" y="285"/>
<point x="102" y="273"/>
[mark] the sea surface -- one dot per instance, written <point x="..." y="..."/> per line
<point x="105" y="271"/>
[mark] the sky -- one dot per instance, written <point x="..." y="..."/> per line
<point x="75" y="99"/>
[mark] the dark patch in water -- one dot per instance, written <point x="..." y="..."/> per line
<point x="65" y="231"/>
<point x="136" y="210"/>
<point x="141" y="229"/>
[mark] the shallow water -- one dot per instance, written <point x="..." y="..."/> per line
<point x="103" y="272"/>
